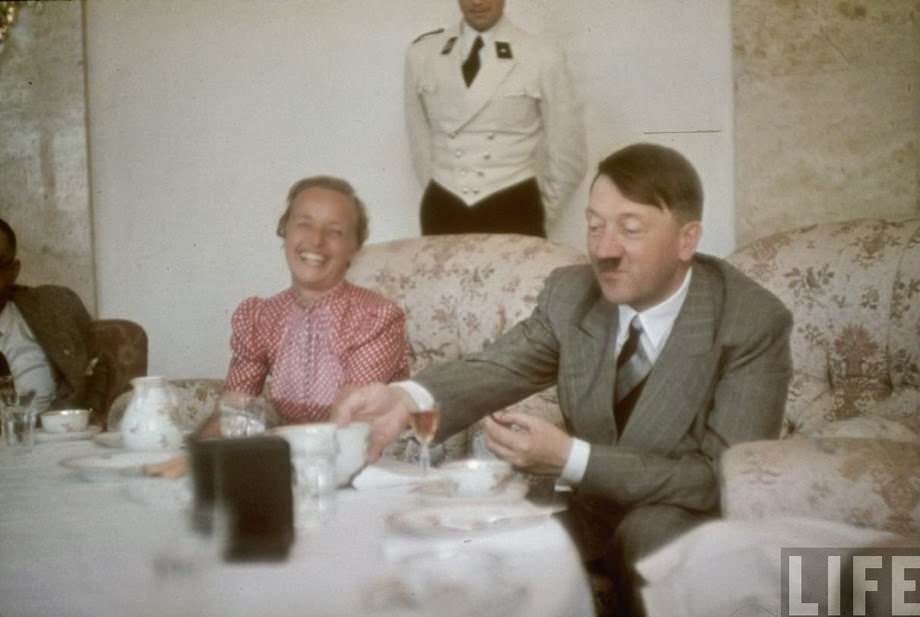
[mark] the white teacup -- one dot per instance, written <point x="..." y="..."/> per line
<point x="65" y="420"/>
<point x="316" y="438"/>
<point x="474" y="477"/>
<point x="352" y="440"/>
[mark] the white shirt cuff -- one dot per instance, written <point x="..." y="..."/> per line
<point x="417" y="392"/>
<point x="576" y="464"/>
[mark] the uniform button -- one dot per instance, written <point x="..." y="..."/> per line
<point x="481" y="173"/>
<point x="463" y="172"/>
<point x="490" y="136"/>
<point x="458" y="153"/>
<point x="487" y="156"/>
<point x="475" y="191"/>
<point x="452" y="135"/>
<point x="465" y="191"/>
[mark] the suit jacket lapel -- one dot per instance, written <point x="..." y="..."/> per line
<point x="592" y="382"/>
<point x="55" y="341"/>
<point x="680" y="380"/>
<point x="493" y="72"/>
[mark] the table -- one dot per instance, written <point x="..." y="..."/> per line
<point x="73" y="547"/>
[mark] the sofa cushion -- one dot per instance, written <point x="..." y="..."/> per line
<point x="866" y="482"/>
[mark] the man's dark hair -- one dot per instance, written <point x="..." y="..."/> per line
<point x="10" y="235"/>
<point x="656" y="176"/>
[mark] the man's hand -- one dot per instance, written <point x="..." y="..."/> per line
<point x="527" y="442"/>
<point x="386" y="408"/>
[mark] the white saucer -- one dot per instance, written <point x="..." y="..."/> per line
<point x="43" y="436"/>
<point x="115" y="465"/>
<point x="444" y="492"/>
<point x="109" y="439"/>
<point x="451" y="521"/>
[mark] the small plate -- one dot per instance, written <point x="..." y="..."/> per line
<point x="43" y="436"/>
<point x="445" y="492"/>
<point x="451" y="521"/>
<point x="116" y="464"/>
<point x="109" y="439"/>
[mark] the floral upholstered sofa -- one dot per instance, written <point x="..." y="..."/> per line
<point x="850" y="449"/>
<point x="459" y="293"/>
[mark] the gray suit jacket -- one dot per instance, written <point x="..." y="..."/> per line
<point x="61" y="326"/>
<point x="720" y="379"/>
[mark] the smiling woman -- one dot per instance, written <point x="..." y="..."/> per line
<point x="322" y="334"/>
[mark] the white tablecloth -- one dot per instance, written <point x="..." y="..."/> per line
<point x="73" y="547"/>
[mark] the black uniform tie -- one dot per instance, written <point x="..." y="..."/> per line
<point x="471" y="64"/>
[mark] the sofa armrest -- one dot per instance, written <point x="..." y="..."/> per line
<point x="861" y="481"/>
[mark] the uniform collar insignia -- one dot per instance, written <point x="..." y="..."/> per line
<point x="503" y="50"/>
<point x="448" y="45"/>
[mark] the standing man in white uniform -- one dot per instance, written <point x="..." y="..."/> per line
<point x="495" y="132"/>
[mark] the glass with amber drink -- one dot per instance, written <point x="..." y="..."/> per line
<point x="424" y="423"/>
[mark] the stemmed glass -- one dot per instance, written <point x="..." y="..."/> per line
<point x="424" y="423"/>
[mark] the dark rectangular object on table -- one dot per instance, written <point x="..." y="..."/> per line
<point x="249" y="479"/>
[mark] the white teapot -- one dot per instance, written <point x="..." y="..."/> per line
<point x="148" y="421"/>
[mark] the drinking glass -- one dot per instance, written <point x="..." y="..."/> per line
<point x="241" y="417"/>
<point x="18" y="418"/>
<point x="424" y="423"/>
<point x="314" y="450"/>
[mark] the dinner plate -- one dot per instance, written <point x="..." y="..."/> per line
<point x="115" y="464"/>
<point x="464" y="519"/>
<point x="444" y="492"/>
<point x="43" y="436"/>
<point x="109" y="439"/>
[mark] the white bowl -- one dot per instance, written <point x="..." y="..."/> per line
<point x="474" y="477"/>
<point x="65" y="420"/>
<point x="352" y="440"/>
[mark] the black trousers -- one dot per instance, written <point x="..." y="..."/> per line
<point x="517" y="209"/>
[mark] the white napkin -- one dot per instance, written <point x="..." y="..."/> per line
<point x="387" y="473"/>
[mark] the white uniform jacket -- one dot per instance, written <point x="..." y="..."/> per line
<point x="519" y="118"/>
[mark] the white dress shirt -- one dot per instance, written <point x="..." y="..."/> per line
<point x="28" y="363"/>
<point x="657" y="323"/>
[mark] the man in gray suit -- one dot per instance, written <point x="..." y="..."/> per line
<point x="45" y="336"/>
<point x="663" y="358"/>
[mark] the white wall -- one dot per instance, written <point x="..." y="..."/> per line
<point x="203" y="112"/>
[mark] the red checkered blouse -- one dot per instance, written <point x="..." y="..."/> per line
<point x="348" y="336"/>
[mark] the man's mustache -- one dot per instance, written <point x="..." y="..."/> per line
<point x="607" y="264"/>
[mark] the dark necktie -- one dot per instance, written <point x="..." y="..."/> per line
<point x="633" y="367"/>
<point x="471" y="64"/>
